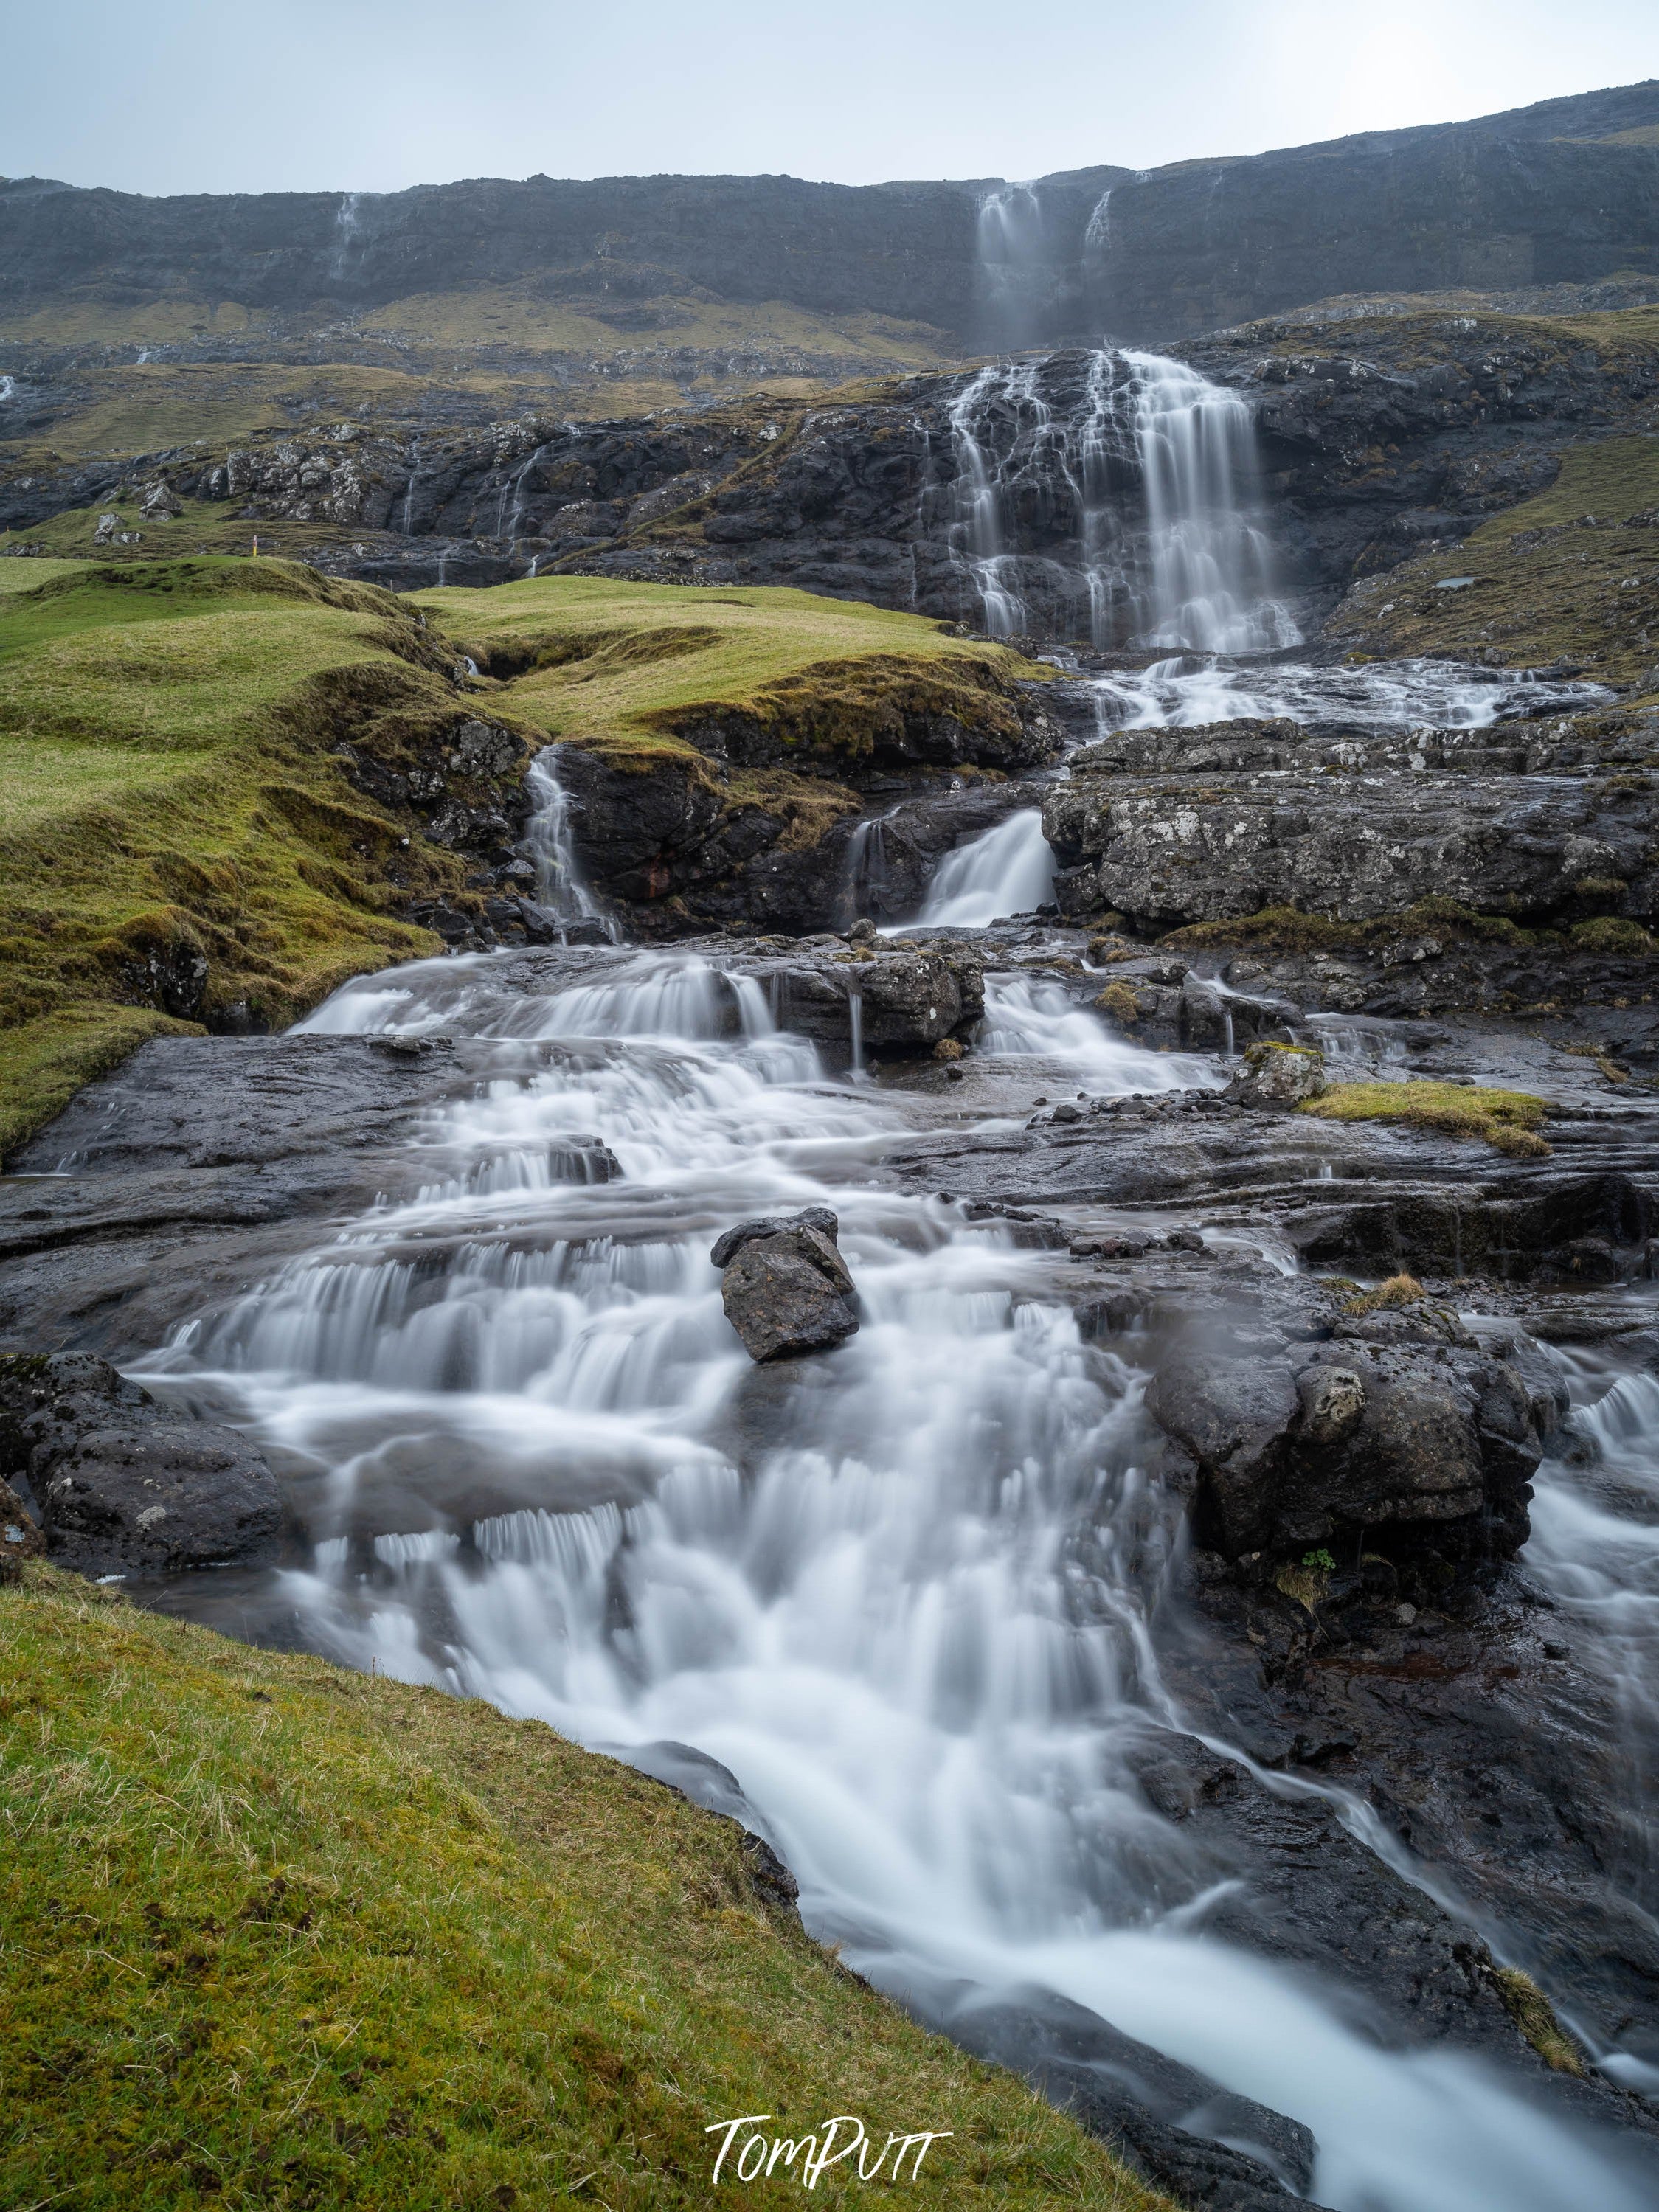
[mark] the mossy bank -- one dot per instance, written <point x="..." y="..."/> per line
<point x="283" y="1935"/>
<point x="231" y="784"/>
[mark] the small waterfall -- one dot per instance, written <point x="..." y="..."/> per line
<point x="868" y="867"/>
<point x="510" y="527"/>
<point x="1208" y="588"/>
<point x="547" y="844"/>
<point x="8" y="385"/>
<point x="408" y="489"/>
<point x="1107" y="494"/>
<point x="1010" y="870"/>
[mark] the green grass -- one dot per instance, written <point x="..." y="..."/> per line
<point x="1509" y="1120"/>
<point x="469" y="354"/>
<point x="1591" y="595"/>
<point x="167" y="735"/>
<point x="171" y="790"/>
<point x="277" y="1935"/>
<point x="210" y="528"/>
<point x="625" y="669"/>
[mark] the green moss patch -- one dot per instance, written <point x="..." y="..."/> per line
<point x="279" y="1936"/>
<point x="1507" y="1119"/>
<point x="1287" y="929"/>
<point x="172" y="797"/>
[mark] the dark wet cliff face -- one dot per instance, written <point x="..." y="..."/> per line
<point x="1545" y="194"/>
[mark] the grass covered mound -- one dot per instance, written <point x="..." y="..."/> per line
<point x="180" y="839"/>
<point x="628" y="669"/>
<point x="1573" y="573"/>
<point x="1506" y="1119"/>
<point x="172" y="808"/>
<point x="277" y="1934"/>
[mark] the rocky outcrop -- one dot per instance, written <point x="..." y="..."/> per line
<point x="785" y="1286"/>
<point x="755" y="826"/>
<point x="1278" y="1075"/>
<point x="123" y="1485"/>
<point x="1416" y="1445"/>
<point x="1237" y="817"/>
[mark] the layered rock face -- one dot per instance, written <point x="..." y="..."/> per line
<point x="1216" y="822"/>
<point x="119" y="1484"/>
<point x="1545" y="194"/>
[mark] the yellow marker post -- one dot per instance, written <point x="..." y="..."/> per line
<point x="256" y="549"/>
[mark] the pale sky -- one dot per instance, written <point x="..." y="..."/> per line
<point x="371" y="96"/>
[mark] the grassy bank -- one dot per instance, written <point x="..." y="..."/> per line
<point x="625" y="669"/>
<point x="1566" y="575"/>
<point x="276" y="1935"/>
<point x="170" y="806"/>
<point x="180" y="840"/>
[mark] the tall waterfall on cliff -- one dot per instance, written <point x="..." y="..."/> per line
<point x="1109" y="496"/>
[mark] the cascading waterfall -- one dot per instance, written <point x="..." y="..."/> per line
<point x="1110" y="494"/>
<point x="1208" y="586"/>
<point x="547" y="844"/>
<point x="1009" y="256"/>
<point x="909" y="1596"/>
<point x="1010" y="870"/>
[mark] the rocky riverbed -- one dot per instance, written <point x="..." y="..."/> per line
<point x="1365" y="1697"/>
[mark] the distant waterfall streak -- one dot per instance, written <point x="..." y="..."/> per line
<point x="547" y="844"/>
<point x="1014" y="279"/>
<point x="1209" y="565"/>
<point x="408" y="489"/>
<point x="508" y="522"/>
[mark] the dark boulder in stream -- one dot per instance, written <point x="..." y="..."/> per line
<point x="785" y="1286"/>
<point x="1390" y="1444"/>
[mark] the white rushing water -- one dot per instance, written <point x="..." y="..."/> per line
<point x="1009" y="870"/>
<point x="1117" y="501"/>
<point x="551" y="847"/>
<point x="908" y="1593"/>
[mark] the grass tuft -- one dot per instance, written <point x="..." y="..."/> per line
<point x="1398" y="1291"/>
<point x="1507" y="1120"/>
<point x="1534" y="2015"/>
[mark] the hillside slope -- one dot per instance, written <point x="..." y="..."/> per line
<point x="279" y="1935"/>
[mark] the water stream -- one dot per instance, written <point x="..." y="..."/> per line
<point x="910" y="1594"/>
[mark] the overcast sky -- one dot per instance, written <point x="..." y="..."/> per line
<point x="370" y="96"/>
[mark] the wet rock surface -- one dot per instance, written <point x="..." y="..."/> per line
<point x="1184" y="2133"/>
<point x="785" y="1286"/>
<point x="1407" y="1665"/>
<point x="122" y="1485"/>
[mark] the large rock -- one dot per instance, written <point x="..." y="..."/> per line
<point x="1249" y="815"/>
<point x="784" y="1285"/>
<point x="1278" y="1075"/>
<point x="124" y="1486"/>
<point x="1395" y="1436"/>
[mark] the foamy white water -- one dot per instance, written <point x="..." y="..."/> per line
<point x="905" y="1592"/>
<point x="1009" y="870"/>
